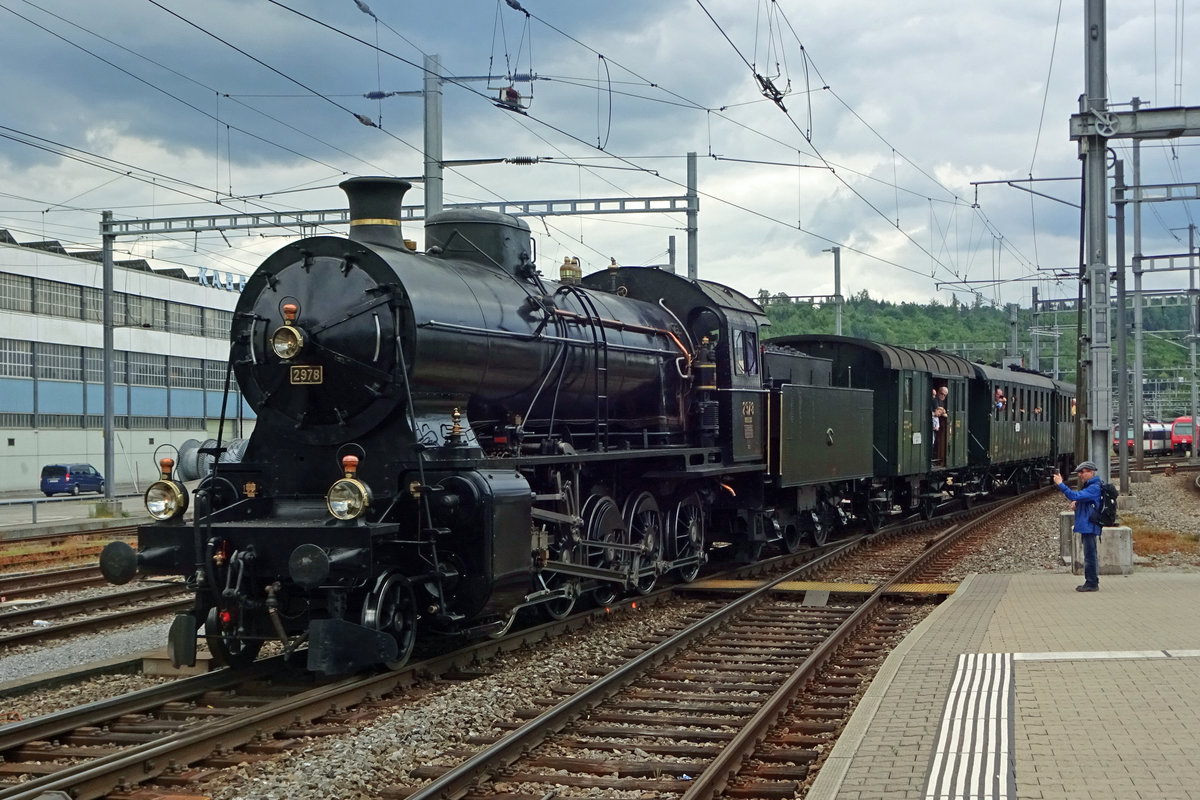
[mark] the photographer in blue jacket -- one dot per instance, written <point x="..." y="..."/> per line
<point x="1084" y="502"/>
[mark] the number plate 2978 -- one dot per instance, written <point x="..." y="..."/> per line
<point x="307" y="375"/>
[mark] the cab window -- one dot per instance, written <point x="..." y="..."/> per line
<point x="745" y="346"/>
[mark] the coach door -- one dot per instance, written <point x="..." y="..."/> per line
<point x="955" y="452"/>
<point x="912" y="447"/>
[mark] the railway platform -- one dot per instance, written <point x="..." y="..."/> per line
<point x="1020" y="687"/>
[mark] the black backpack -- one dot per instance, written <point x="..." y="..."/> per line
<point x="1104" y="513"/>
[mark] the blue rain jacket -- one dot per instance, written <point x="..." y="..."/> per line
<point x="1085" y="499"/>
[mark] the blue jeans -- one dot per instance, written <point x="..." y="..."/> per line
<point x="1091" y="558"/>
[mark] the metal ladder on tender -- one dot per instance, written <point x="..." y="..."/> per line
<point x="600" y="366"/>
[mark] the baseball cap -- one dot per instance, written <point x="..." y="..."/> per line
<point x="1086" y="465"/>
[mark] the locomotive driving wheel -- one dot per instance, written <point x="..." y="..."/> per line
<point x="227" y="647"/>
<point x="391" y="608"/>
<point x="563" y="550"/>
<point x="687" y="530"/>
<point x="604" y="526"/>
<point x="643" y="520"/>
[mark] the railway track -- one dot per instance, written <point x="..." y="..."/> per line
<point x="51" y="620"/>
<point x="30" y="584"/>
<point x="174" y="739"/>
<point x="23" y="553"/>
<point x="181" y="732"/>
<point x="767" y="681"/>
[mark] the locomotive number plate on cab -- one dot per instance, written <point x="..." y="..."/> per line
<point x="307" y="375"/>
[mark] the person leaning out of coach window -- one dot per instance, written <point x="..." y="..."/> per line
<point x="1084" y="502"/>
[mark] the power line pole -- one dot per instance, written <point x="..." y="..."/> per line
<point x="1123" y="419"/>
<point x="1094" y="149"/>
<point x="1035" y="358"/>
<point x="110" y="462"/>
<point x="432" y="95"/>
<point x="1194" y="315"/>
<point x="838" y="300"/>
<point x="1139" y="412"/>
<point x="693" y="218"/>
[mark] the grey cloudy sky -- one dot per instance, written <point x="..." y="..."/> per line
<point x="155" y="108"/>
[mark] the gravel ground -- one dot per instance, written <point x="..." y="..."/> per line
<point x="100" y="687"/>
<point x="1026" y="540"/>
<point x="23" y="661"/>
<point x="383" y="752"/>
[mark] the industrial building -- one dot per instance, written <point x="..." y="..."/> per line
<point x="171" y="346"/>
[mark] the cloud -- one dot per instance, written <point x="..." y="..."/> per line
<point x="907" y="107"/>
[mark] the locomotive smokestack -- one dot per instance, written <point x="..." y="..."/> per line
<point x="375" y="210"/>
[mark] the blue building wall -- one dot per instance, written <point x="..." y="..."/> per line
<point x="59" y="397"/>
<point x="67" y="397"/>
<point x="148" y="401"/>
<point x="16" y="395"/>
<point x="95" y="399"/>
<point x="187" y="402"/>
<point x="231" y="408"/>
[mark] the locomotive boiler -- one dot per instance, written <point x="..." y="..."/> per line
<point x="446" y="437"/>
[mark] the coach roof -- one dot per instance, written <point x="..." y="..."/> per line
<point x="893" y="356"/>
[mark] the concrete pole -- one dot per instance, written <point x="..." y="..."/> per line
<point x="837" y="291"/>
<point x="432" y="95"/>
<point x="110" y="461"/>
<point x="1035" y="361"/>
<point x="1014" y="350"/>
<point x="671" y="253"/>
<point x="693" y="214"/>
<point x="1057" y="342"/>
<point x="838" y="300"/>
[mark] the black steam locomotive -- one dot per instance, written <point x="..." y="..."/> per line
<point x="446" y="438"/>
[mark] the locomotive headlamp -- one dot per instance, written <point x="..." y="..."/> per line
<point x="349" y="497"/>
<point x="166" y="499"/>
<point x="288" y="340"/>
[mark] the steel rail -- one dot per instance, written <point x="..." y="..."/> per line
<point x="55" y="724"/>
<point x="141" y="763"/>
<point x="82" y="605"/>
<point x="27" y="583"/>
<point x="458" y="781"/>
<point x="105" y="620"/>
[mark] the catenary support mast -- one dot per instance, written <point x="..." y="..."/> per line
<point x="1094" y="150"/>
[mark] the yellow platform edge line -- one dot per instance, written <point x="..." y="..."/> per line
<point x="829" y="586"/>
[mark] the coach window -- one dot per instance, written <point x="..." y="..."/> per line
<point x="746" y="352"/>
